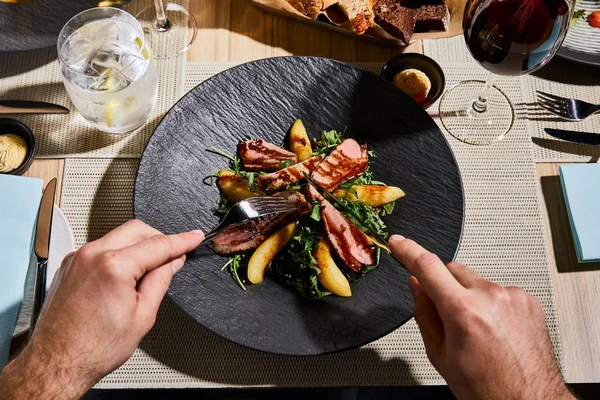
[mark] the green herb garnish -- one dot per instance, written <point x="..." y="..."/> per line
<point x="329" y="140"/>
<point x="285" y="164"/>
<point x="579" y="14"/>
<point x="296" y="264"/>
<point x="234" y="263"/>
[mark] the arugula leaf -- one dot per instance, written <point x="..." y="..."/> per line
<point x="295" y="188"/>
<point x="296" y="264"/>
<point x="329" y="140"/>
<point x="234" y="263"/>
<point x="315" y="213"/>
<point x="224" y="203"/>
<point x="389" y="207"/>
<point x="370" y="215"/>
<point x="579" y="14"/>
<point x="285" y="164"/>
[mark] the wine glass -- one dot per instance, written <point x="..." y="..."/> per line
<point x="169" y="31"/>
<point x="507" y="37"/>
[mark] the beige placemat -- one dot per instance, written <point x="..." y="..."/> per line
<point x="503" y="239"/>
<point x="35" y="75"/>
<point x="560" y="77"/>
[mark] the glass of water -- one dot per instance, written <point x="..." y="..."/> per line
<point x="107" y="69"/>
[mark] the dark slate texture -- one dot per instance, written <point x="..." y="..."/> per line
<point x="262" y="99"/>
<point x="36" y="24"/>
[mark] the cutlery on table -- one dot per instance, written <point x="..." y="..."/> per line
<point x="574" y="136"/>
<point x="42" y="247"/>
<point x="30" y="107"/>
<point x="248" y="209"/>
<point x="321" y="189"/>
<point x="569" y="109"/>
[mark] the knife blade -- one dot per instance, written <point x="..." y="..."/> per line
<point x="30" y="107"/>
<point x="380" y="239"/>
<point x="42" y="247"/>
<point x="574" y="136"/>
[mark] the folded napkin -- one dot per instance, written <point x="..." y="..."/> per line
<point x="19" y="203"/>
<point x="581" y="187"/>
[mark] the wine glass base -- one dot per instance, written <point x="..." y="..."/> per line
<point x="466" y="124"/>
<point x="168" y="41"/>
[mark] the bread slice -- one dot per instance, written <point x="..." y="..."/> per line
<point x="313" y="7"/>
<point x="397" y="19"/>
<point x="360" y="13"/>
<point x="433" y="17"/>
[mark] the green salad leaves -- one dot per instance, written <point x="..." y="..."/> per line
<point x="295" y="263"/>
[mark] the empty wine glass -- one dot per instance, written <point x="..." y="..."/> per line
<point x="169" y="29"/>
<point x="507" y="37"/>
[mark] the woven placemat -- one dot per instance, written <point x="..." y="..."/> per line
<point x="560" y="77"/>
<point x="35" y="75"/>
<point x="503" y="239"/>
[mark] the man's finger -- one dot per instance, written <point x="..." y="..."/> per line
<point x="153" y="287"/>
<point x="429" y="321"/>
<point x="158" y="250"/>
<point x="432" y="274"/>
<point x="465" y="275"/>
<point x="129" y="233"/>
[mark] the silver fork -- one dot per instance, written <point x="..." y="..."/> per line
<point x="248" y="209"/>
<point x="570" y="109"/>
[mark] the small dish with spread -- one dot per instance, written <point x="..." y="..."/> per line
<point x="417" y="75"/>
<point x="17" y="147"/>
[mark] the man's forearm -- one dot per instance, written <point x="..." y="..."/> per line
<point x="36" y="375"/>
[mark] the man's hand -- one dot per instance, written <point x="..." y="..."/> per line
<point x="103" y="301"/>
<point x="487" y="341"/>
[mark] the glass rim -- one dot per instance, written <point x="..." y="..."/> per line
<point x="118" y="10"/>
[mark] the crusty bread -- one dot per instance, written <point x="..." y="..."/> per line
<point x="360" y="13"/>
<point x="313" y="8"/>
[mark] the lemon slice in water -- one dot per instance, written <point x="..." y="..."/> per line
<point x="118" y="111"/>
<point x="140" y="44"/>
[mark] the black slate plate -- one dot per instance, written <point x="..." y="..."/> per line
<point x="262" y="99"/>
<point x="36" y="24"/>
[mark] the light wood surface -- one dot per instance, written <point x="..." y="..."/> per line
<point x="577" y="286"/>
<point x="46" y="170"/>
<point x="234" y="30"/>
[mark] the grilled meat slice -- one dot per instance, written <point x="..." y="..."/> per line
<point x="260" y="155"/>
<point x="249" y="235"/>
<point x="351" y="244"/>
<point x="290" y="175"/>
<point x="346" y="161"/>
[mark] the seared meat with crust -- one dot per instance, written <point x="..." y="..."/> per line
<point x="260" y="155"/>
<point x="351" y="244"/>
<point x="290" y="175"/>
<point x="345" y="162"/>
<point x="249" y="235"/>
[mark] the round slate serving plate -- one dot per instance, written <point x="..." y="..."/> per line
<point x="36" y="24"/>
<point x="582" y="43"/>
<point x="261" y="99"/>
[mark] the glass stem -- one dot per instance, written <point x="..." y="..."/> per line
<point x="162" y="22"/>
<point x="480" y="104"/>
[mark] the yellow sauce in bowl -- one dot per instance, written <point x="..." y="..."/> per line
<point x="13" y="152"/>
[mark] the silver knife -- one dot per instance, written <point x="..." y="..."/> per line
<point x="381" y="240"/>
<point x="574" y="136"/>
<point x="30" y="107"/>
<point x="42" y="247"/>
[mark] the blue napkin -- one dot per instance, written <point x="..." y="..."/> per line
<point x="19" y="203"/>
<point x="581" y="187"/>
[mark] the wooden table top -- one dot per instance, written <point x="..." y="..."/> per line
<point x="235" y="30"/>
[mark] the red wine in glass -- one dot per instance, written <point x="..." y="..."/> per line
<point x="514" y="37"/>
<point x="507" y="37"/>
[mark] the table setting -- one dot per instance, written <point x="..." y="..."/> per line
<point x="139" y="109"/>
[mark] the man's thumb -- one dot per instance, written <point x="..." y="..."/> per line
<point x="429" y="321"/>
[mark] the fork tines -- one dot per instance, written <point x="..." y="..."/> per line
<point x="554" y="104"/>
<point x="270" y="204"/>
